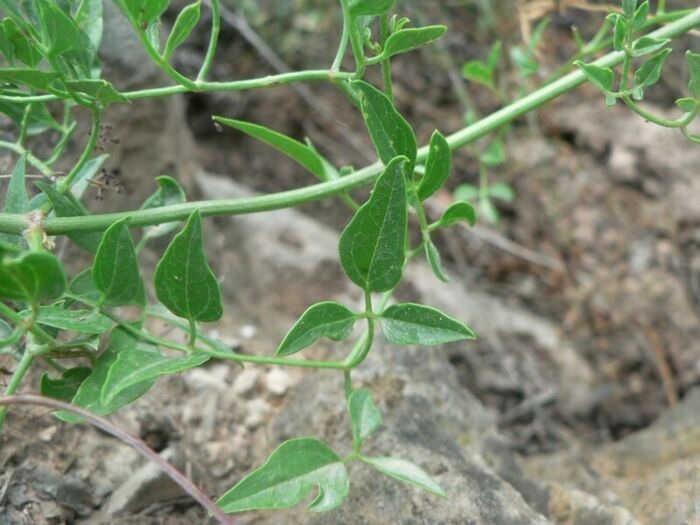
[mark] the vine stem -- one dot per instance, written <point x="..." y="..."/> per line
<point x="356" y="42"/>
<point x="24" y="364"/>
<point x="65" y="183"/>
<point x="213" y="39"/>
<point x="681" y="122"/>
<point x="15" y="223"/>
<point x="141" y="447"/>
<point x="280" y="79"/>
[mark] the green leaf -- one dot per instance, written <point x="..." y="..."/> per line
<point x="407" y="472"/>
<point x="66" y="386"/>
<point x="66" y="205"/>
<point x="116" y="268"/>
<point x="620" y="33"/>
<point x="502" y="191"/>
<point x="16" y="198"/>
<point x="169" y="192"/>
<point x="83" y="321"/>
<point x="151" y="10"/>
<point x="184" y="282"/>
<point x="89" y="395"/>
<point x="153" y="35"/>
<point x="686" y="105"/>
<point x="184" y="24"/>
<point x="34" y="277"/>
<point x="83" y="286"/>
<point x="297" y="151"/>
<point x="640" y="16"/>
<point x="370" y="7"/>
<point x="40" y="119"/>
<point x="364" y="416"/>
<point x="489" y="210"/>
<point x="629" y="7"/>
<point x="458" y="212"/>
<point x="435" y="261"/>
<point x="100" y="90"/>
<point x="650" y="72"/>
<point x="647" y="44"/>
<point x="372" y="249"/>
<point x="494" y="154"/>
<point x="61" y="33"/>
<point x="134" y="366"/>
<point x="89" y="20"/>
<point x="326" y="319"/>
<point x="22" y="46"/>
<point x="409" y="39"/>
<point x="693" y="60"/>
<point x="600" y="77"/>
<point x="437" y="167"/>
<point x="391" y="134"/>
<point x="417" y="324"/>
<point x="288" y="476"/>
<point x="477" y="71"/>
<point x="466" y="192"/>
<point x="35" y="78"/>
<point x="494" y="56"/>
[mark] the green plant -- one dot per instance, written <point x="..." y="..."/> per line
<point x="50" y="54"/>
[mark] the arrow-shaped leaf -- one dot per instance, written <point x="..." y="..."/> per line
<point x="417" y="324"/>
<point x="287" y="477"/>
<point x="184" y="282"/>
<point x="372" y="246"/>
<point x="326" y="319"/>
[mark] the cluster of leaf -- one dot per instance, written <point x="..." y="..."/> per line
<point x="651" y="54"/>
<point x="373" y="252"/>
<point x="52" y="317"/>
<point x="298" y="465"/>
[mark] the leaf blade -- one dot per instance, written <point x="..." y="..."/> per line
<point x="184" y="281"/>
<point x="405" y="471"/>
<point x="410" y="323"/>
<point x="390" y="132"/>
<point x="325" y="319"/>
<point x="287" y="477"/>
<point x="372" y="253"/>
<point x="115" y="271"/>
<point x="437" y="167"/>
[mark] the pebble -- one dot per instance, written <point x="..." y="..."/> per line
<point x="246" y="381"/>
<point x="258" y="410"/>
<point x="277" y="382"/>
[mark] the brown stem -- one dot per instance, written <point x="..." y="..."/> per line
<point x="143" y="449"/>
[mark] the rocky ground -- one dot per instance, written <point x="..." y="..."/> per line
<point x="575" y="407"/>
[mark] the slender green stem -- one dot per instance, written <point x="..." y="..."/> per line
<point x="27" y="324"/>
<point x="193" y="333"/>
<point x="681" y="122"/>
<point x="229" y="356"/>
<point x="691" y="136"/>
<point x="364" y="344"/>
<point x="167" y="68"/>
<point x="213" y="40"/>
<point x="24" y="126"/>
<point x="20" y="150"/>
<point x="386" y="64"/>
<point x="347" y="379"/>
<point x="356" y="40"/>
<point x="210" y="87"/>
<point x="342" y="47"/>
<point x="65" y="183"/>
<point x="66" y="135"/>
<point x="17" y="376"/>
<point x="661" y="7"/>
<point x="13" y="223"/>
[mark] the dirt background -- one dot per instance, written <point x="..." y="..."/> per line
<point x="576" y="406"/>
